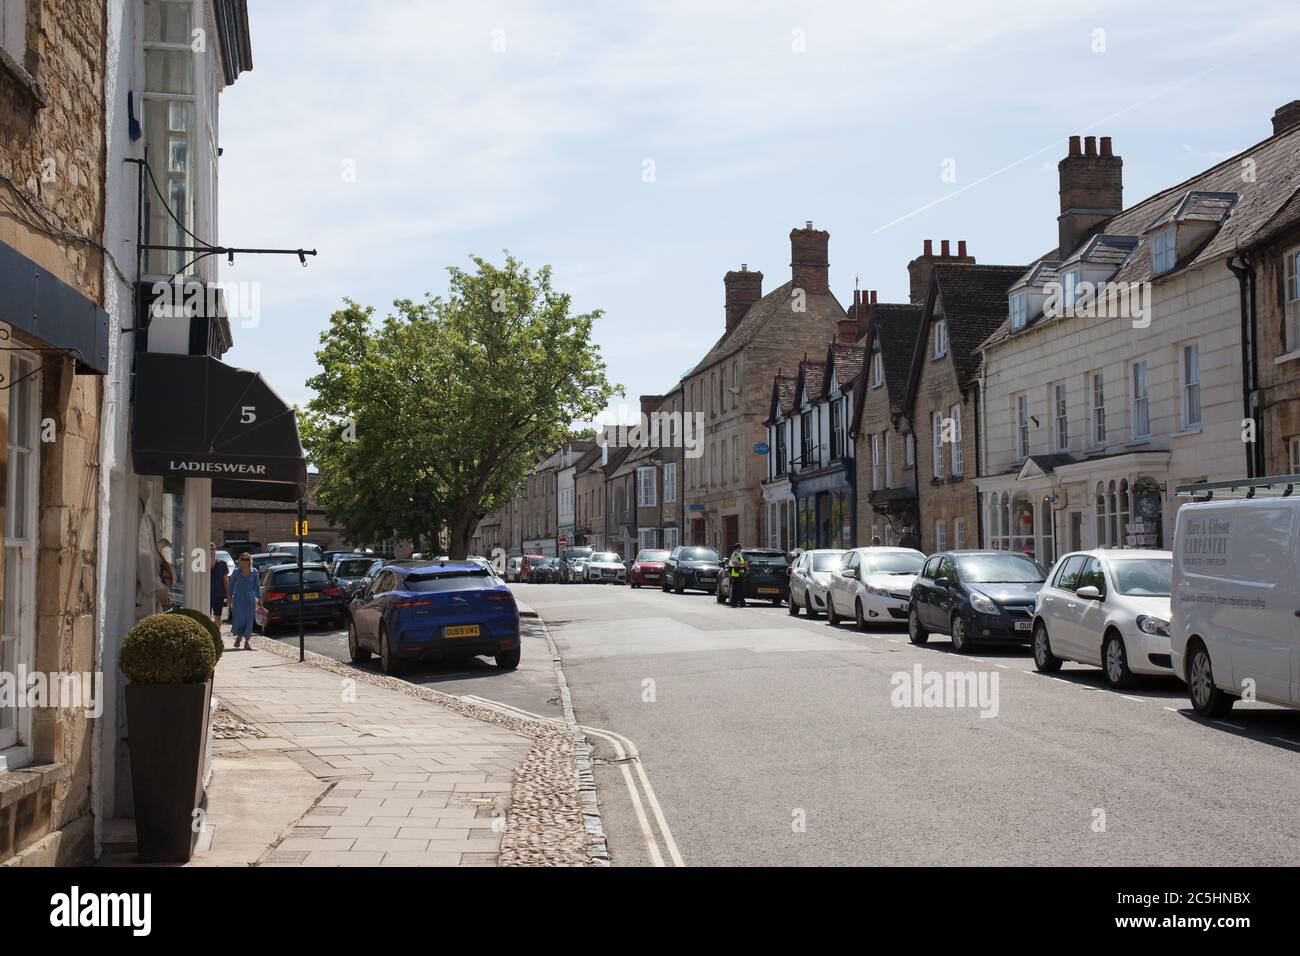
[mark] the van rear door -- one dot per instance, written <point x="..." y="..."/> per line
<point x="1257" y="607"/>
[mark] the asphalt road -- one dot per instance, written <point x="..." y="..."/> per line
<point x="773" y="740"/>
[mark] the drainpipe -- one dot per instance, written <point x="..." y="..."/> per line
<point x="979" y="461"/>
<point x="1245" y="278"/>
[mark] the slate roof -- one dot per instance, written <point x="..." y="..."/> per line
<point x="811" y="376"/>
<point x="784" y="396"/>
<point x="974" y="299"/>
<point x="588" y="458"/>
<point x="896" y="327"/>
<point x="757" y="317"/>
<point x="846" y="363"/>
<point x="1104" y="249"/>
<point x="1196" y="204"/>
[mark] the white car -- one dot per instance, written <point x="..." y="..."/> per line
<point x="873" y="586"/>
<point x="810" y="575"/>
<point x="1108" y="607"/>
<point x="606" y="567"/>
<point x="1236" y="623"/>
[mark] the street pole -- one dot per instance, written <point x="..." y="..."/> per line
<point x="298" y="528"/>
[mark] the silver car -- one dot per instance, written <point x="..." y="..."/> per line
<point x="607" y="568"/>
<point x="810" y="576"/>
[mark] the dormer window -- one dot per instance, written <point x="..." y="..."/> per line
<point x="1164" y="249"/>
<point x="1017" y="311"/>
<point x="940" y="337"/>
<point x="877" y="368"/>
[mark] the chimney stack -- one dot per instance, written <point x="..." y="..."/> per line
<point x="1286" y="116"/>
<point x="809" y="265"/>
<point x="847" y="331"/>
<point x="919" y="269"/>
<point x="1092" y="191"/>
<point x="743" y="289"/>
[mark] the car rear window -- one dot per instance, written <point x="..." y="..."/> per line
<point x="311" y="577"/>
<point x="446" y="580"/>
<point x="765" y="560"/>
<point x="353" y="569"/>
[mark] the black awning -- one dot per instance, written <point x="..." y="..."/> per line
<point x="195" y="417"/>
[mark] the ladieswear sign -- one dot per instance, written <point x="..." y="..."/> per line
<point x="217" y="468"/>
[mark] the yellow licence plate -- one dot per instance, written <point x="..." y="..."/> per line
<point x="461" y="630"/>
<point x="769" y="590"/>
<point x="309" y="596"/>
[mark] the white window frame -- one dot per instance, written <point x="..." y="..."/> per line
<point x="875" y="462"/>
<point x="877" y="368"/>
<point x="1189" y="366"/>
<point x="957" y="467"/>
<point x="1140" y="390"/>
<point x="940" y="337"/>
<point x="940" y="535"/>
<point x="646" y="492"/>
<point x="20" y="552"/>
<point x="641" y="534"/>
<point x="1061" y="406"/>
<point x="909" y="449"/>
<point x="671" y="538"/>
<point x="1291" y="300"/>
<point x="1098" y="390"/>
<point x="1022" y="425"/>
<point x="958" y="533"/>
<point x="936" y="445"/>
<point x="735" y="457"/>
<point x="837" y="429"/>
<point x="889" y="460"/>
<point x="670" y="482"/>
<point x="1018" y="308"/>
<point x="1164" y="249"/>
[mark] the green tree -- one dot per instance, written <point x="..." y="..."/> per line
<point x="430" y="418"/>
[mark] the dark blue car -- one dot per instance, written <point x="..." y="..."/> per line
<point x="976" y="597"/>
<point x="416" y="611"/>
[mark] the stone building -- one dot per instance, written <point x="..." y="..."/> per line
<point x="731" y="385"/>
<point x="55" y="332"/>
<point x="1095" y="413"/>
<point x="886" y="484"/>
<point x="589" y="499"/>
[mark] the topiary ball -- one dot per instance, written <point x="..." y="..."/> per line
<point x="213" y="631"/>
<point x="167" y="649"/>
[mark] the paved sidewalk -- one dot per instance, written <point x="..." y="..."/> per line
<point x="399" y="780"/>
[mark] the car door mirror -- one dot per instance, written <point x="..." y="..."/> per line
<point x="1088" y="593"/>
<point x="942" y="583"/>
<point x="849" y="572"/>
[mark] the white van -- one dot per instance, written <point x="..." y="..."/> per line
<point x="1236" y="596"/>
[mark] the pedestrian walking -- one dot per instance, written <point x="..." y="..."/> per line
<point x="737" y="568"/>
<point x="218" y="587"/>
<point x="245" y="598"/>
<point x="875" y="540"/>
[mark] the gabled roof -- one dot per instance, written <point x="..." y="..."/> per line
<point x="811" y="375"/>
<point x="844" y="364"/>
<point x="974" y="302"/>
<point x="784" y="396"/>
<point x="1196" y="204"/>
<point x="760" y="314"/>
<point x="894" y="328"/>
<point x="1103" y="249"/>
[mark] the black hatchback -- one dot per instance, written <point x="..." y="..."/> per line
<point x="322" y="598"/>
<point x="765" y="577"/>
<point x="691" y="566"/>
<point x="976" y="597"/>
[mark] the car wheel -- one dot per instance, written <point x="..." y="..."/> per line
<point x="794" y="606"/>
<point x="387" y="663"/>
<point x="808" y="606"/>
<point x="356" y="652"/>
<point x="1114" y="663"/>
<point x="915" y="632"/>
<point x="508" y="660"/>
<point x="635" y="586"/>
<point x="832" y="616"/>
<point x="960" y="639"/>
<point x="1044" y="660"/>
<point x="1207" y="699"/>
<point x="858" y="617"/>
<point x="677" y="585"/>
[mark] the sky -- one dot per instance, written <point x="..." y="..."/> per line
<point x="644" y="149"/>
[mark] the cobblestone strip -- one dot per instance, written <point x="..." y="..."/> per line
<point x="548" y="822"/>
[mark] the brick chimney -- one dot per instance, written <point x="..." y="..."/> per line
<point x="1286" y="116"/>
<point x="809" y="265"/>
<point x="1092" y="191"/>
<point x="650" y="404"/>
<point x="919" y="269"/>
<point x="744" y="288"/>
<point x="846" y="331"/>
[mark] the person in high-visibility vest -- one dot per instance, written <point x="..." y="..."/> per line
<point x="737" y="568"/>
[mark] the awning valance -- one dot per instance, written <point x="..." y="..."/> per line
<point x="196" y="417"/>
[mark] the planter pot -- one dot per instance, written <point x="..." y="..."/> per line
<point x="167" y="729"/>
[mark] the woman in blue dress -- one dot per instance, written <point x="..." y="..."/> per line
<point x="245" y="596"/>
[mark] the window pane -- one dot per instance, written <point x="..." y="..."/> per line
<point x="168" y="71"/>
<point x="167" y="21"/>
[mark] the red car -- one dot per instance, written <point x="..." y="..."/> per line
<point x="526" y="566"/>
<point x="648" y="568"/>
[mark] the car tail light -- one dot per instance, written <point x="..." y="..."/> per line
<point x="414" y="602"/>
<point x="498" y="596"/>
<point x="331" y="592"/>
<point x="789" y="571"/>
<point x="276" y="595"/>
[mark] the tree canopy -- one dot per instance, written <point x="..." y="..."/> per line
<point x="428" y="419"/>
